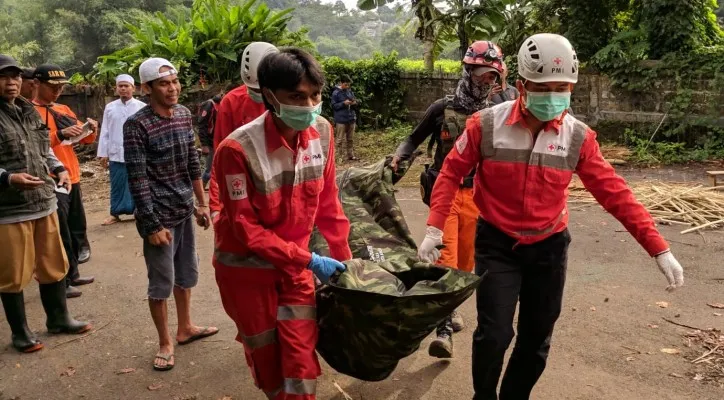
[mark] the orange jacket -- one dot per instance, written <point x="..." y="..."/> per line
<point x="236" y="110"/>
<point x="65" y="153"/>
<point x="521" y="181"/>
<point x="273" y="196"/>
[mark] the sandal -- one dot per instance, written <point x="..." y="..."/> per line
<point x="166" y="357"/>
<point x="205" y="332"/>
<point x="111" y="220"/>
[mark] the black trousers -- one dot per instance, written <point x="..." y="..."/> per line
<point x="71" y="216"/>
<point x="532" y="275"/>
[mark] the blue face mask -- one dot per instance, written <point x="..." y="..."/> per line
<point x="255" y="96"/>
<point x="546" y="106"/>
<point x="298" y="118"/>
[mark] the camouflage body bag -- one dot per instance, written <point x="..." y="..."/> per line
<point x="380" y="310"/>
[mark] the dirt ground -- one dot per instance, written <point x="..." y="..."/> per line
<point x="607" y="343"/>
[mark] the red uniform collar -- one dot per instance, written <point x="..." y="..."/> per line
<point x="274" y="139"/>
<point x="518" y="111"/>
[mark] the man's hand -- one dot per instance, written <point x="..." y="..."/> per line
<point x="348" y="102"/>
<point x="395" y="162"/>
<point x="671" y="269"/>
<point x="161" y="238"/>
<point x="325" y="267"/>
<point x="23" y="181"/>
<point x="104" y="162"/>
<point x="94" y="124"/>
<point x="205" y="150"/>
<point x="428" y="251"/>
<point x="497" y="89"/>
<point x="64" y="180"/>
<point x="203" y="218"/>
<point x="72" y="131"/>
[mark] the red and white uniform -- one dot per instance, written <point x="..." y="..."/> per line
<point x="235" y="110"/>
<point x="521" y="182"/>
<point x="273" y="193"/>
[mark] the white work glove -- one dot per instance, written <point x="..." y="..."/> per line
<point x="428" y="251"/>
<point x="671" y="269"/>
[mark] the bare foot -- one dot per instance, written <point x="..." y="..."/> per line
<point x="195" y="333"/>
<point x="165" y="359"/>
<point x="111" y="220"/>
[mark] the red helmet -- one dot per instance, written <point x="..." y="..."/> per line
<point x="486" y="54"/>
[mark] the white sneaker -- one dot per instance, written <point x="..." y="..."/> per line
<point x="458" y="323"/>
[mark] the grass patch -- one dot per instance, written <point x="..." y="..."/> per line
<point x="373" y="145"/>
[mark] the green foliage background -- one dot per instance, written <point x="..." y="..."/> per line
<point x="376" y="85"/>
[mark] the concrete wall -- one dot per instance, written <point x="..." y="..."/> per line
<point x="593" y="99"/>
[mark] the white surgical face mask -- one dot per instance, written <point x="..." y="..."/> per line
<point x="297" y="117"/>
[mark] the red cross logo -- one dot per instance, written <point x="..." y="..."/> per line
<point x="306" y="159"/>
<point x="557" y="61"/>
<point x="237" y="184"/>
<point x="551" y="147"/>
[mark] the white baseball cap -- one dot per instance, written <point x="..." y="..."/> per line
<point x="149" y="69"/>
<point x="125" y="78"/>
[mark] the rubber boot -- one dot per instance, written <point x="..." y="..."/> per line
<point x="58" y="319"/>
<point x="23" y="338"/>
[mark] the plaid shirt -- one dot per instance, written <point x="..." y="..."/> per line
<point x="162" y="161"/>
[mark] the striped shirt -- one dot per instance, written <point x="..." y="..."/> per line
<point x="162" y="162"/>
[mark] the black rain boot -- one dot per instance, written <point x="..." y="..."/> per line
<point x="58" y="319"/>
<point x="24" y="340"/>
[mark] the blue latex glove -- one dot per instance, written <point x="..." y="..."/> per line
<point x="325" y="267"/>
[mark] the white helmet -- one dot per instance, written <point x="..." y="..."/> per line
<point x="547" y="57"/>
<point x="250" y="60"/>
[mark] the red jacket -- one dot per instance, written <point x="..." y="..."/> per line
<point x="521" y="184"/>
<point x="274" y="195"/>
<point x="236" y="109"/>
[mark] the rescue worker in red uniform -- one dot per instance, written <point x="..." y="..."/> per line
<point x="525" y="153"/>
<point x="277" y="180"/>
<point x="482" y="85"/>
<point x="239" y="107"/>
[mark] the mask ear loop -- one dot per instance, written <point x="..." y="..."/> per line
<point x="277" y="113"/>
<point x="523" y="108"/>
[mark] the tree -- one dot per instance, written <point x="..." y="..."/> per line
<point x="402" y="41"/>
<point x="439" y="21"/>
<point x="467" y="20"/>
<point x="680" y="25"/>
<point x="339" y="8"/>
<point x="591" y="24"/>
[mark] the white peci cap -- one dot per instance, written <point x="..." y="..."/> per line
<point x="149" y="69"/>
<point x="125" y="78"/>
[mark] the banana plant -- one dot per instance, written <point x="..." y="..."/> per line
<point x="207" y="42"/>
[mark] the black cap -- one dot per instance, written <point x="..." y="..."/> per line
<point x="50" y="73"/>
<point x="8" y="62"/>
<point x="28" y="73"/>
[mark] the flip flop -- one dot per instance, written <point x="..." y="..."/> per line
<point x="167" y="358"/>
<point x="206" y="332"/>
<point x="110" y="221"/>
